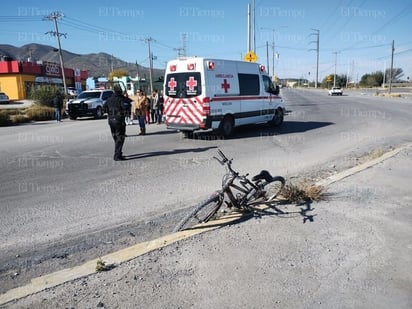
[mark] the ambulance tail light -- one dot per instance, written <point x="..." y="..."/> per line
<point x="172" y="67"/>
<point x="206" y="106"/>
<point x="262" y="68"/>
<point x="211" y="65"/>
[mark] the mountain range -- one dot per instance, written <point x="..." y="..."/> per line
<point x="98" y="65"/>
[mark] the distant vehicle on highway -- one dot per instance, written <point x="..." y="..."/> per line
<point x="4" y="98"/>
<point x="335" y="91"/>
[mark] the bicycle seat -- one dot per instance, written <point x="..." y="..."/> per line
<point x="263" y="175"/>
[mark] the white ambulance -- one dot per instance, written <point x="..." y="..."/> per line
<point x="203" y="93"/>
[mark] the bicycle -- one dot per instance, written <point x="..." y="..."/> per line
<point x="238" y="192"/>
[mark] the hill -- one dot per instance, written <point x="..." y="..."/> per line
<point x="96" y="64"/>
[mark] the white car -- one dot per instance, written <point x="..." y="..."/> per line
<point x="4" y="98"/>
<point x="73" y="91"/>
<point x="335" y="91"/>
<point x="88" y="103"/>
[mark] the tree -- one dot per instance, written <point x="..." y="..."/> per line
<point x="374" y="79"/>
<point x="118" y="73"/>
<point x="397" y="73"/>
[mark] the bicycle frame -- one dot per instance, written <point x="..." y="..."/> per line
<point x="237" y="191"/>
<point x="246" y="188"/>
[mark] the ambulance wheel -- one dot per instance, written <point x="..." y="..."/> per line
<point x="277" y="119"/>
<point x="226" y="126"/>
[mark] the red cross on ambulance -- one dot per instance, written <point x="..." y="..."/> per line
<point x="225" y="85"/>
<point x="191" y="83"/>
<point x="172" y="84"/>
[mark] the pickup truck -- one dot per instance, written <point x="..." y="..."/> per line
<point x="88" y="103"/>
<point x="335" y="91"/>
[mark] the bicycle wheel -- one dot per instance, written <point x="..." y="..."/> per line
<point x="273" y="188"/>
<point x="201" y="213"/>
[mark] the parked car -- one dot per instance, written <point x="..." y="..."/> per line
<point x="88" y="103"/>
<point x="335" y="91"/>
<point x="4" y="98"/>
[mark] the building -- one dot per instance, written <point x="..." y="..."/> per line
<point x="17" y="78"/>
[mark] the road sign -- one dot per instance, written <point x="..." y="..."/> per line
<point x="250" y="56"/>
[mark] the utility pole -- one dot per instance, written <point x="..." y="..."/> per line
<point x="273" y="55"/>
<point x="334" y="75"/>
<point x="317" y="54"/>
<point x="249" y="44"/>
<point x="148" y="40"/>
<point x="267" y="55"/>
<point x="53" y="17"/>
<point x="254" y="26"/>
<point x="390" y="75"/>
<point x="181" y="51"/>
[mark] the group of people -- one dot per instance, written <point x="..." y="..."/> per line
<point x="122" y="109"/>
<point x="146" y="109"/>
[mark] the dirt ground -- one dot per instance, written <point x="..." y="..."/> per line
<point x="351" y="251"/>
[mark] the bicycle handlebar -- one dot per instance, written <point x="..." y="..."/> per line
<point x="223" y="159"/>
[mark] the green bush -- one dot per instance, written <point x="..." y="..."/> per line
<point x="43" y="95"/>
<point x="40" y="113"/>
<point x="4" y="118"/>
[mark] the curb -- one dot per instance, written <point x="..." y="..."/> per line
<point x="62" y="276"/>
<point x="116" y="258"/>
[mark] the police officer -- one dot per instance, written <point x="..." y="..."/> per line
<point x="116" y="108"/>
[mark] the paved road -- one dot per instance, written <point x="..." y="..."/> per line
<point x="59" y="186"/>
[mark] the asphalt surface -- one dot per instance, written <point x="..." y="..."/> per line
<point x="350" y="251"/>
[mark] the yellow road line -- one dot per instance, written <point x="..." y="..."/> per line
<point x="62" y="276"/>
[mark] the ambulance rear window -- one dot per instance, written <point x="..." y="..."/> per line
<point x="183" y="85"/>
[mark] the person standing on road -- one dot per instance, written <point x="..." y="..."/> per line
<point x="57" y="104"/>
<point x="156" y="107"/>
<point x="116" y="108"/>
<point x="161" y="106"/>
<point x="141" y="107"/>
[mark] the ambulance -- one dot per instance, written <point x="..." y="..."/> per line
<point x="216" y="94"/>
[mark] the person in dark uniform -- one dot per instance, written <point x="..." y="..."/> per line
<point x="116" y="108"/>
<point x="57" y="104"/>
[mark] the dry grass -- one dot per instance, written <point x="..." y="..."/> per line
<point x="303" y="192"/>
<point x="40" y="113"/>
<point x="19" y="118"/>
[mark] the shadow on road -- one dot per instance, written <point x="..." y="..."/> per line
<point x="165" y="153"/>
<point x="302" y="126"/>
<point x="278" y="209"/>
<point x="264" y="130"/>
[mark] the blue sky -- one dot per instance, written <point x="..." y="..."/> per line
<point x="357" y="34"/>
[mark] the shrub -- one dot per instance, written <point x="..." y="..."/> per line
<point x="40" y="113"/>
<point x="43" y="95"/>
<point x="4" y="118"/>
<point x="20" y="118"/>
<point x="303" y="192"/>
